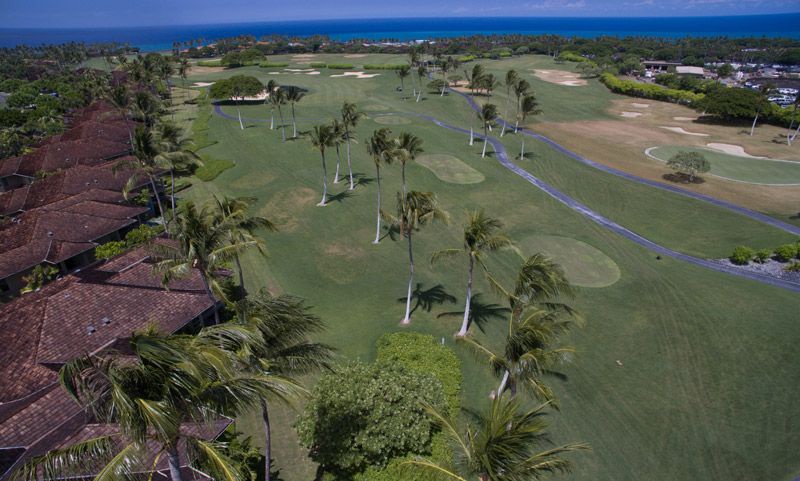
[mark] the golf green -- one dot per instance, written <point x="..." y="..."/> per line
<point x="734" y="167"/>
<point x="392" y="120"/>
<point x="584" y="265"/>
<point x="450" y="169"/>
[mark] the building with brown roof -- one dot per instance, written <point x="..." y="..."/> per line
<point x="93" y="309"/>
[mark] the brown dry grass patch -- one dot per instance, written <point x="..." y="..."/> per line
<point x="560" y="77"/>
<point x="284" y="206"/>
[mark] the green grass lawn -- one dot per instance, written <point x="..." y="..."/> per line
<point x="706" y="386"/>
<point x="744" y="169"/>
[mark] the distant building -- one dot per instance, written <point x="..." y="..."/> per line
<point x="659" y="65"/>
<point x="690" y="71"/>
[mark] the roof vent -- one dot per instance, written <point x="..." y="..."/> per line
<point x="50" y="233"/>
<point x="91" y="330"/>
<point x="106" y="321"/>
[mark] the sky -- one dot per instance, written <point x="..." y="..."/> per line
<point x="129" y="13"/>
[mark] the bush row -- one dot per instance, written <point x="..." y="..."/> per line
<point x="649" y="91"/>
<point x="388" y="66"/>
<point x="742" y="255"/>
<point x="571" y="57"/>
<point x="273" y="64"/>
<point x="133" y="238"/>
<point x="337" y="66"/>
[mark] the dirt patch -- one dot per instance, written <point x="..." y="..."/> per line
<point x="355" y="55"/>
<point x="252" y="181"/>
<point x="338" y="262"/>
<point x="202" y="84"/>
<point x="684" y="119"/>
<point x="732" y="149"/>
<point x="560" y="77"/>
<point x="681" y="130"/>
<point x="284" y="206"/>
<point x="639" y="106"/>
<point x="631" y="114"/>
<point x="197" y="69"/>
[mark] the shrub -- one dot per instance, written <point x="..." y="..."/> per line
<point x="273" y="65"/>
<point x="109" y="249"/>
<point x="793" y="267"/>
<point x="649" y="91"/>
<point x="361" y="416"/>
<point x="318" y="65"/>
<point x="741" y="255"/>
<point x="388" y="66"/>
<point x="689" y="164"/>
<point x="467" y="58"/>
<point x="786" y="252"/>
<point x="141" y="234"/>
<point x="341" y="66"/>
<point x="212" y="167"/>
<point x="762" y="255"/>
<point x="571" y="57"/>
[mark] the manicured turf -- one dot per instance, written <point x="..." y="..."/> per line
<point x="705" y="389"/>
<point x="450" y="169"/>
<point x="743" y="169"/>
<point x="584" y="265"/>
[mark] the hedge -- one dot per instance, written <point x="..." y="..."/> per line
<point x="272" y="65"/>
<point x="318" y="65"/>
<point x="571" y="57"/>
<point x="209" y="63"/>
<point x="341" y="66"/>
<point x="648" y="91"/>
<point x="467" y="58"/>
<point x="388" y="66"/>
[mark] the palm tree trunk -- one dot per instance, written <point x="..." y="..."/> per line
<point x="267" y="440"/>
<point x="465" y="322"/>
<point x="516" y="126"/>
<point x="378" y="226"/>
<point x="338" y="162"/>
<point x="403" y="176"/>
<point x="239" y="113"/>
<point x="241" y="276"/>
<point x="283" y="125"/>
<point x="349" y="167"/>
<point x="407" y="319"/>
<point x="753" y="127"/>
<point x="155" y="193"/>
<point x="294" y="124"/>
<point x="522" y="150"/>
<point x="324" y="181"/>
<point x="485" y="141"/>
<point x="211" y="297"/>
<point x="174" y="463"/>
<point x="172" y="193"/>
<point x="503" y="383"/>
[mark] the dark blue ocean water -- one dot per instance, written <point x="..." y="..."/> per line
<point x="161" y="38"/>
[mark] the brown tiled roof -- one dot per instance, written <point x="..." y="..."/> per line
<point x="38" y="418"/>
<point x="115" y="130"/>
<point x="51" y="157"/>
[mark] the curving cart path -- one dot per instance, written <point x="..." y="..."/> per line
<point x="576" y="206"/>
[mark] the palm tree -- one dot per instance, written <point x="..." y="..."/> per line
<point x="512" y="78"/>
<point x="146" y="153"/>
<point x="420" y="75"/>
<point x="503" y="444"/>
<point x="481" y="236"/>
<point x="761" y="103"/>
<point x="414" y="210"/>
<point x="145" y="106"/>
<point x="350" y="118"/>
<point x="408" y="147"/>
<point x="277" y="98"/>
<point x="174" y="154"/>
<point x="403" y="72"/>
<point x="294" y="95"/>
<point x="528" y="106"/>
<point x="284" y="324"/>
<point x="322" y="137"/>
<point x="488" y="83"/>
<point x="520" y="90"/>
<point x="240" y="227"/>
<point x="200" y="243"/>
<point x="476" y="77"/>
<point x="380" y="149"/>
<point x="337" y="131"/>
<point x="272" y="86"/>
<point x="149" y="393"/>
<point x="119" y="96"/>
<point x="444" y="66"/>
<point x="487" y="115"/>
<point x="183" y="70"/>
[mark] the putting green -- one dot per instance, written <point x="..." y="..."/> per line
<point x="392" y="120"/>
<point x="450" y="169"/>
<point x="584" y="265"/>
<point x="734" y="167"/>
<point x="374" y="108"/>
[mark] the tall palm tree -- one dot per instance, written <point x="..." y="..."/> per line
<point x="408" y="147"/>
<point x="278" y="98"/>
<point x="487" y="116"/>
<point x="350" y="118"/>
<point x="174" y="154"/>
<point x="445" y="67"/>
<point x="321" y="137"/>
<point x="529" y="106"/>
<point x="120" y="97"/>
<point x="512" y="78"/>
<point x="403" y="72"/>
<point x="240" y="228"/>
<point x="183" y="70"/>
<point x="761" y="102"/>
<point x="379" y="147"/>
<point x="147" y="162"/>
<point x="481" y="236"/>
<point x="200" y="243"/>
<point x="506" y="443"/>
<point x="285" y="325"/>
<point x="272" y="86"/>
<point x="475" y="77"/>
<point x="520" y="89"/>
<point x="414" y="210"/>
<point x="337" y="131"/>
<point x="146" y="108"/>
<point x="421" y="72"/>
<point x="488" y="83"/>
<point x="294" y="95"/>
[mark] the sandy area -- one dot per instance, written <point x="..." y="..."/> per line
<point x="684" y="119"/>
<point x="196" y="69"/>
<point x="560" y="77"/>
<point x="315" y="72"/>
<point x="639" y="106"/>
<point x="262" y="96"/>
<point x="631" y="114"/>
<point x="202" y="84"/>
<point x="732" y="149"/>
<point x="680" y="130"/>
<point x="299" y="69"/>
<point x="355" y="55"/>
<point x="359" y="75"/>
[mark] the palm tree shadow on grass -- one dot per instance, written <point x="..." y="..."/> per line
<point x="360" y="179"/>
<point x="481" y="312"/>
<point x="427" y="298"/>
<point x="341" y="196"/>
<point x="392" y="232"/>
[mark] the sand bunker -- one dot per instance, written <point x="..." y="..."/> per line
<point x="359" y="75"/>
<point x="639" y="106"/>
<point x="202" y="84"/>
<point x="631" y="114"/>
<point x="260" y="97"/>
<point x="299" y="69"/>
<point x="680" y="130"/>
<point x="315" y="72"/>
<point x="560" y="77"/>
<point x="732" y="149"/>
<point x="684" y="119"/>
<point x="355" y="55"/>
<point x="274" y="73"/>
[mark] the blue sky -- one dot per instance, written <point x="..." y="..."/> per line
<point x="94" y="13"/>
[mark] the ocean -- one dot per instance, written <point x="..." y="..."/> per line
<point x="404" y="29"/>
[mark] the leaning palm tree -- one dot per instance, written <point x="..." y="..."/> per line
<point x="487" y="116"/>
<point x="403" y="72"/>
<point x="379" y="147"/>
<point x="512" y="78"/>
<point x="338" y="138"/>
<point x="414" y="210"/>
<point x="294" y="95"/>
<point x="350" y="118"/>
<point x="481" y="236"/>
<point x="203" y="244"/>
<point x="321" y="137"/>
<point x="240" y="228"/>
<point x="529" y="106"/>
<point x="504" y="444"/>
<point x="520" y="90"/>
<point x="408" y="147"/>
<point x="284" y="325"/>
<point x="278" y="98"/>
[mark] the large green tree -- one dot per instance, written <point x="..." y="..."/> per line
<point x="236" y="88"/>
